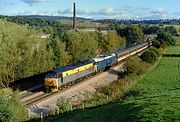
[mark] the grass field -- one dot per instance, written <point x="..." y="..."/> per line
<point x="177" y="38"/>
<point x="173" y="50"/>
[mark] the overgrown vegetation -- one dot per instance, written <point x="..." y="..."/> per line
<point x="133" y="34"/>
<point x="21" y="54"/>
<point x="149" y="56"/>
<point x="11" y="109"/>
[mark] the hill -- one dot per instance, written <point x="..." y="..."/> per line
<point x="54" y="17"/>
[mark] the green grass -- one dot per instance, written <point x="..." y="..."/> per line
<point x="177" y="38"/>
<point x="173" y="50"/>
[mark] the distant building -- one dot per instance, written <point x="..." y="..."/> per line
<point x="45" y="36"/>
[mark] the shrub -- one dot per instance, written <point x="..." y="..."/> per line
<point x="156" y="44"/>
<point x="166" y="38"/>
<point x="149" y="56"/>
<point x="11" y="109"/>
<point x="64" y="106"/>
<point x="156" y="51"/>
<point x="134" y="65"/>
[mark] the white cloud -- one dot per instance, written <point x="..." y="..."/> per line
<point x="32" y="2"/>
<point x="106" y="11"/>
<point x="159" y="11"/>
<point x="135" y="13"/>
<point x="31" y="13"/>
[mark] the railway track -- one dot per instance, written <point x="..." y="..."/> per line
<point x="29" y="99"/>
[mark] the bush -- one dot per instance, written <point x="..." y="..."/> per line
<point x="64" y="105"/>
<point x="11" y="109"/>
<point x="149" y="56"/>
<point x="156" y="51"/>
<point x="166" y="38"/>
<point x="134" y="65"/>
<point x="156" y="44"/>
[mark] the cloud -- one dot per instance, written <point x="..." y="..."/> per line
<point x="106" y="11"/>
<point x="159" y="11"/>
<point x="31" y="13"/>
<point x="32" y="2"/>
<point x="136" y="13"/>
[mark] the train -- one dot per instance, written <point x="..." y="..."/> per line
<point x="64" y="75"/>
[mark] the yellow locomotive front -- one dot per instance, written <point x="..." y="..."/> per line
<point x="51" y="82"/>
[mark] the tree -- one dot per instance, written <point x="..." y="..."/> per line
<point x="133" y="35"/>
<point x="171" y="30"/>
<point x="165" y="38"/>
<point x="149" y="56"/>
<point x="110" y="42"/>
<point x="80" y="45"/>
<point x="22" y="55"/>
<point x="60" y="55"/>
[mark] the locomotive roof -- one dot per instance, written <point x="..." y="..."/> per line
<point x="100" y="58"/>
<point x="71" y="66"/>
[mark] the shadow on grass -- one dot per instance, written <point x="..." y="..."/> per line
<point x="113" y="112"/>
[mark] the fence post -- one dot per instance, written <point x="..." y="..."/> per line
<point x="83" y="105"/>
<point x="41" y="117"/>
<point x="91" y="103"/>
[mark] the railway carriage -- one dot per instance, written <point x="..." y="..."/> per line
<point x="66" y="74"/>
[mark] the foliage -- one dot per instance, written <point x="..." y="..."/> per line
<point x="47" y="26"/>
<point x="60" y="55"/>
<point x="110" y="42"/>
<point x="21" y="55"/>
<point x="171" y="30"/>
<point x="133" y="34"/>
<point x="11" y="109"/>
<point x="158" y="53"/>
<point x="149" y="56"/>
<point x="80" y="45"/>
<point x="134" y="65"/>
<point x="156" y="44"/>
<point x="64" y="105"/>
<point x="147" y="29"/>
<point x="165" y="38"/>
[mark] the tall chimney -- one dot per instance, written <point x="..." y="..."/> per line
<point x="74" y="17"/>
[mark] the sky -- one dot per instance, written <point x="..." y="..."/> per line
<point x="96" y="9"/>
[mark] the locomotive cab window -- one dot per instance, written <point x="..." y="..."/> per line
<point x="59" y="75"/>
